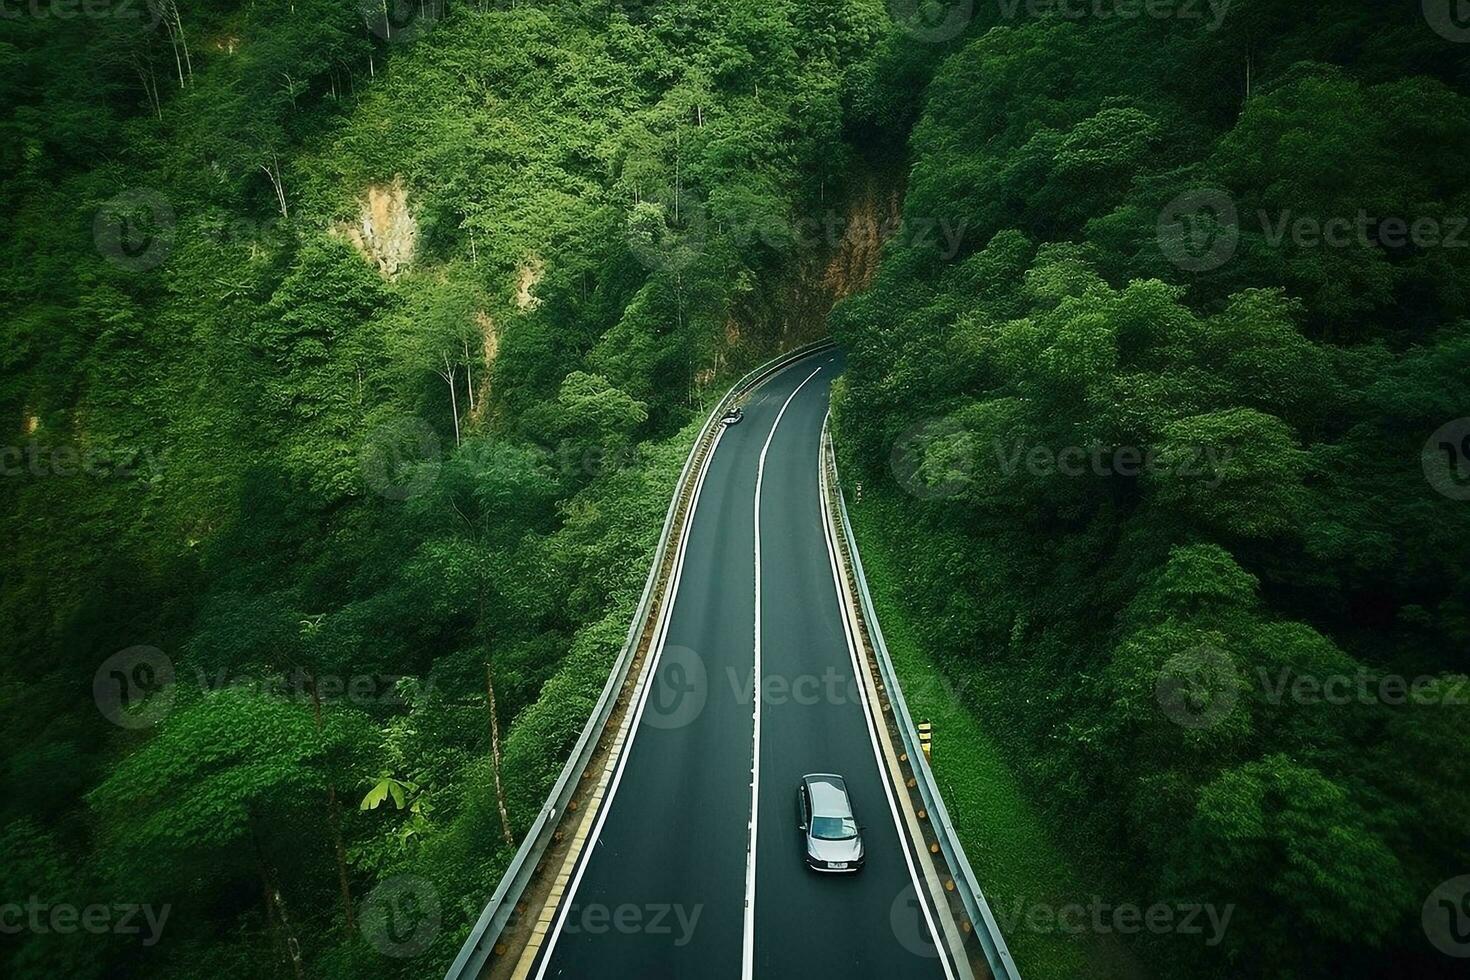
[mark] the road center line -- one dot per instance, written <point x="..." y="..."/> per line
<point x="747" y="952"/>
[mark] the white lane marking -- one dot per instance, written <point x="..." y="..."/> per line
<point x="765" y="386"/>
<point x="747" y="950"/>
<point x="648" y="680"/>
<point x="920" y="891"/>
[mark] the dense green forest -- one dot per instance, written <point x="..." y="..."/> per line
<point x="1173" y="450"/>
<point x="353" y="350"/>
<point x="352" y="353"/>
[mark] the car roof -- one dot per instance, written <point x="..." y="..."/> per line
<point x="828" y="795"/>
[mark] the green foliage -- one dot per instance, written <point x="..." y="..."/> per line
<point x="383" y="356"/>
<point x="390" y="352"/>
<point x="215" y="772"/>
<point x="1149" y="507"/>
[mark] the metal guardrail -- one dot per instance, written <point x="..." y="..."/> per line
<point x="475" y="952"/>
<point x="987" y="930"/>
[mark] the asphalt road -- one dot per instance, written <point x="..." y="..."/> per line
<point x="661" y="890"/>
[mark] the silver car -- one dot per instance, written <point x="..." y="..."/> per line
<point x="831" y="836"/>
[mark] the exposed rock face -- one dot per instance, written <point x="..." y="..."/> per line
<point x="872" y="214"/>
<point x="527" y="276"/>
<point x="839" y="261"/>
<point x="385" y="231"/>
<point x="490" y="335"/>
<point x="490" y="346"/>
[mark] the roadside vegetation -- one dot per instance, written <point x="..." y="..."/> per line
<point x="1170" y="459"/>
<point x="1021" y="860"/>
<point x="353" y="351"/>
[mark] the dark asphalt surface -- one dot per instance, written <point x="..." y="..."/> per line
<point x="663" y="889"/>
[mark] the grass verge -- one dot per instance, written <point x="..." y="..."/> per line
<point x="1025" y="875"/>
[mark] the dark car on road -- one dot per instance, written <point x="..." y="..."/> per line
<point x="832" y="839"/>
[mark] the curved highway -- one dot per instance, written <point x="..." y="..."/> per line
<point x="667" y="886"/>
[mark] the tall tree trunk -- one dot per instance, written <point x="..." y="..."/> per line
<point x="151" y="91"/>
<point x="494" y="728"/>
<point x="678" y="175"/>
<point x="174" y="42"/>
<point x="273" y="173"/>
<point x="495" y="755"/>
<point x="469" y="375"/>
<point x="184" y="41"/>
<point x="275" y="909"/>
<point x="448" y="375"/>
<point x="334" y="816"/>
<point x="277" y="938"/>
<point x="293" y="945"/>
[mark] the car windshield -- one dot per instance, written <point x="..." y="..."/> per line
<point x="833" y="828"/>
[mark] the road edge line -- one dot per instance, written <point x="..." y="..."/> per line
<point x="747" y="939"/>
<point x="579" y="857"/>
<point x="906" y="823"/>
